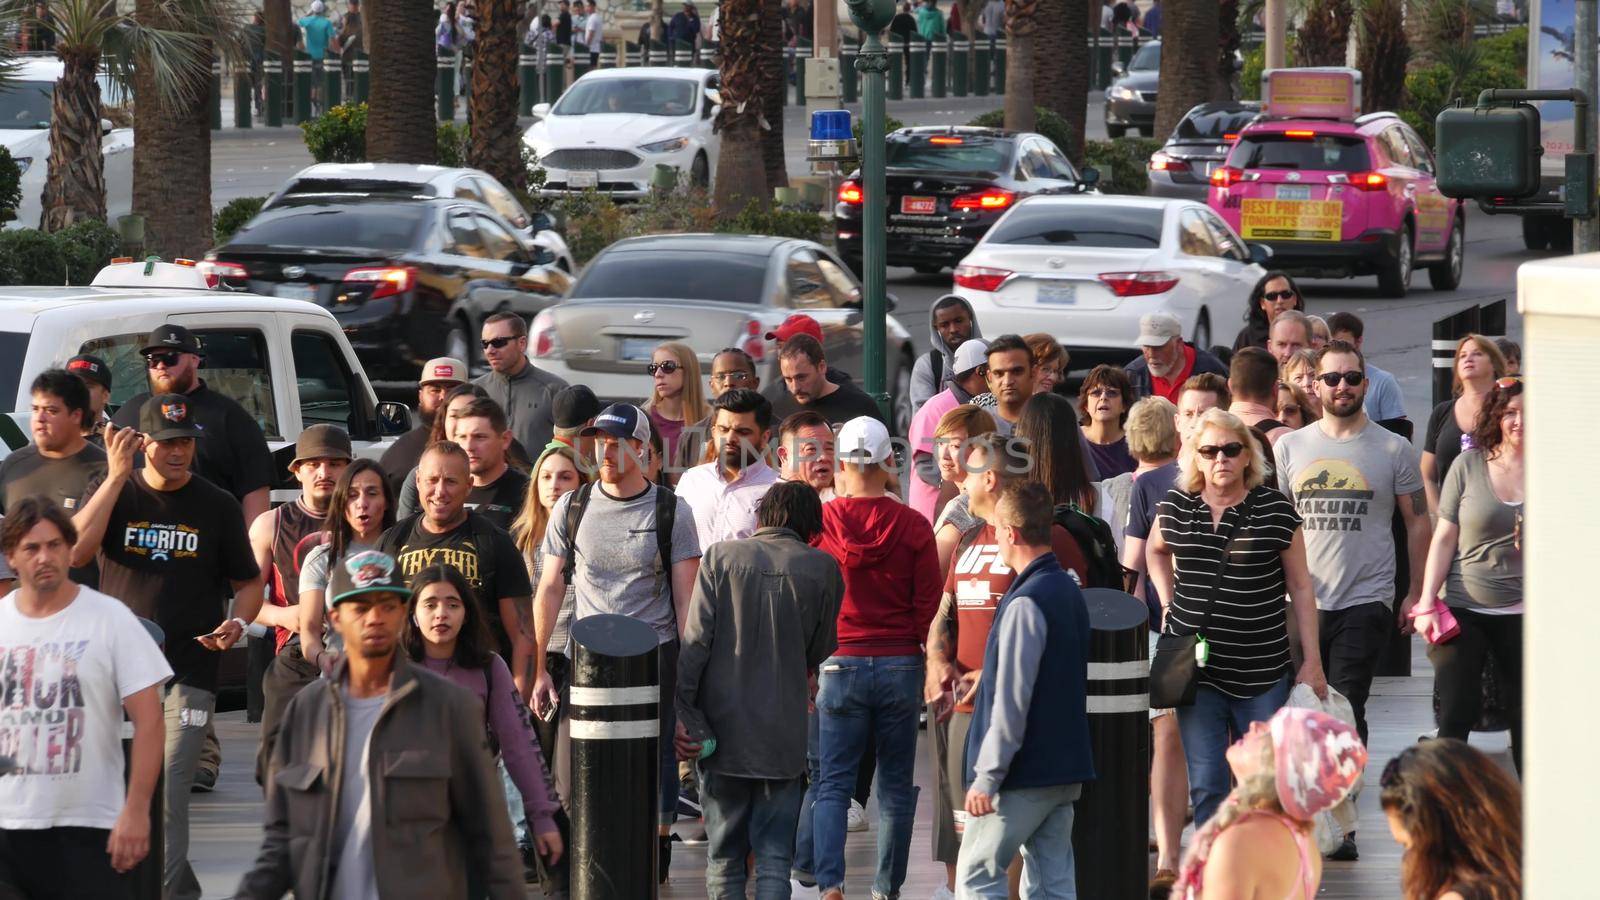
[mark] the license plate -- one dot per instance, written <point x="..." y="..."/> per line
<point x="295" y="292"/>
<point x="583" y="179"/>
<point x="637" y="349"/>
<point x="919" y="206"/>
<point x="1058" y="293"/>
<point x="1293" y="192"/>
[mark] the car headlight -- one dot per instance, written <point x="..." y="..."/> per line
<point x="670" y="145"/>
<point x="23" y="162"/>
<point x="1124" y="93"/>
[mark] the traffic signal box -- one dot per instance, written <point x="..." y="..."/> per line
<point x="1487" y="152"/>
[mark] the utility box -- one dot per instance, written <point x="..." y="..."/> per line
<point x="822" y="78"/>
<point x="1487" y="152"/>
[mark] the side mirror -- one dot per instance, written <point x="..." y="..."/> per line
<point x="714" y="95"/>
<point x="540" y="110"/>
<point x="106" y="126"/>
<point x="1088" y="177"/>
<point x="394" y="419"/>
<point x="1260" y="254"/>
<point x="1118" y="68"/>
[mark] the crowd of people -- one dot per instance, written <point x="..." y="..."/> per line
<point x="818" y="589"/>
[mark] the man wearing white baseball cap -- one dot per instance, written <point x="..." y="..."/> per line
<point x="870" y="691"/>
<point x="1165" y="360"/>
<point x="438" y="377"/>
<point x="966" y="382"/>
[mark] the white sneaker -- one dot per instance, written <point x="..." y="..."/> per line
<point x="943" y="893"/>
<point x="855" y="818"/>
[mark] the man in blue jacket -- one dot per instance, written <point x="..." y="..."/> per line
<point x="1028" y="751"/>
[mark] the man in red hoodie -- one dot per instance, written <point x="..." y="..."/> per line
<point x="870" y="690"/>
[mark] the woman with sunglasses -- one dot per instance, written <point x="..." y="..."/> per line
<point x="1459" y="817"/>
<point x="1478" y="363"/>
<point x="1294" y="408"/>
<point x="1103" y="401"/>
<point x="1476" y="559"/>
<point x="1225" y="550"/>
<point x="676" y="397"/>
<point x="1273" y="294"/>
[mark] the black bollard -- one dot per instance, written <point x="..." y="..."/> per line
<point x="145" y="881"/>
<point x="1111" y="825"/>
<point x="616" y="761"/>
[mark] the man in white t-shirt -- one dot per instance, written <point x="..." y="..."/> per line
<point x="71" y="659"/>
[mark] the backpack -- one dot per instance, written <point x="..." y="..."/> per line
<point x="1099" y="547"/>
<point x="666" y="518"/>
<point x="936" y="364"/>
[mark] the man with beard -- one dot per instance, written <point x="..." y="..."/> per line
<point x="438" y="377"/>
<point x="725" y="492"/>
<point x="1165" y="361"/>
<point x="951" y="323"/>
<point x="1010" y="379"/>
<point x="280" y="539"/>
<point x="1346" y="474"/>
<point x="805" y="375"/>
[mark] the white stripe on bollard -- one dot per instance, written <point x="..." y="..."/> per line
<point x="1119" y="703"/>
<point x="1444" y="345"/>
<point x="586" y="730"/>
<point x="1133" y="668"/>
<point x="620" y="696"/>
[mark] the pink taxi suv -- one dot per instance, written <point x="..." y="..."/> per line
<point x="1342" y="198"/>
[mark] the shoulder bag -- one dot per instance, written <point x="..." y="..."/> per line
<point x="1175" y="669"/>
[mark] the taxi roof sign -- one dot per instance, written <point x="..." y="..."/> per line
<point x="123" y="272"/>
<point x="1328" y="92"/>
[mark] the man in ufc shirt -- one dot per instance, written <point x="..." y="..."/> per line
<point x="972" y="590"/>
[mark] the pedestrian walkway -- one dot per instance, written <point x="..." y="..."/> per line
<point x="225" y="826"/>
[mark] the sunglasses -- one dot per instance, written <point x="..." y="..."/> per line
<point x="1230" y="450"/>
<point x="168" y="360"/>
<point x="1352" y="378"/>
<point x="496" y="343"/>
<point x="1106" y="392"/>
<point x="665" y="368"/>
<point x="1275" y="296"/>
<point x="1508" y="382"/>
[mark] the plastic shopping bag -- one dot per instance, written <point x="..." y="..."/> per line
<point x="1331" y="825"/>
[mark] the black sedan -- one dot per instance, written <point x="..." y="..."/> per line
<point x="409" y="280"/>
<point x="1205" y="134"/>
<point x="947" y="186"/>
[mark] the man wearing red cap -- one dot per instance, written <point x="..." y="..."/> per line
<point x="805" y="375"/>
<point x="794" y="326"/>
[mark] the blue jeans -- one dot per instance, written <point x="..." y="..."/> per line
<point x="804" y="858"/>
<point x="519" y="813"/>
<point x="1208" y="727"/>
<point x="747" y="816"/>
<point x="1036" y="821"/>
<point x="861" y="700"/>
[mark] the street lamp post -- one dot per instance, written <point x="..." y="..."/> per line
<point x="872" y="16"/>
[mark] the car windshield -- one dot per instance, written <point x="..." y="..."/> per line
<point x="1080" y="225"/>
<point x="13" y="347"/>
<point x="1320" y="153"/>
<point x="675" y="274"/>
<point x="1213" y="125"/>
<point x="950" y="153"/>
<point x="26" y="104"/>
<point x="385" y="227"/>
<point x="629" y="96"/>
<point x="1147" y="58"/>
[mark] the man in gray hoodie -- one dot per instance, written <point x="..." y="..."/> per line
<point x="761" y="621"/>
<point x="951" y="323"/>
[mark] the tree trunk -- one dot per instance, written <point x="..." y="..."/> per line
<point x="1383" y="54"/>
<point x="1322" y="38"/>
<point x="1022" y="17"/>
<point x="774" y="81"/>
<point x="400" y="111"/>
<point x="1189" y="31"/>
<point x="1061" y="80"/>
<point x="495" y="87"/>
<point x="75" y="185"/>
<point x="1228" y="43"/>
<point x="173" y="137"/>
<point x="742" y="168"/>
<point x="282" y="34"/>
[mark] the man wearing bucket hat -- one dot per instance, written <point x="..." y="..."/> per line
<point x="173" y="547"/>
<point x="326" y="835"/>
<point x="280" y="539"/>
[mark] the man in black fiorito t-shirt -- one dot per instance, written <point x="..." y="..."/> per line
<point x="805" y="374"/>
<point x="173" y="547"/>
<point x="447" y="533"/>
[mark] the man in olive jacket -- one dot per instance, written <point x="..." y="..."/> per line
<point x="380" y="781"/>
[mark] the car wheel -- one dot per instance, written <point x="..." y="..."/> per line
<point x="1560" y="235"/>
<point x="1394" y="277"/>
<point x="700" y="171"/>
<point x="900" y="401"/>
<point x="1202" y="331"/>
<point x="1535" y="233"/>
<point x="1446" y="275"/>
<point x="1116" y="131"/>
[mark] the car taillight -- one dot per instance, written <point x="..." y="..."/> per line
<point x="1161" y="162"/>
<point x="217" y="272"/>
<point x="543" y="336"/>
<point x="981" y="278"/>
<point x="1226" y="176"/>
<point x="753" y="341"/>
<point x="991" y="199"/>
<point x="1139" y="284"/>
<point x="850" y="192"/>
<point x="1369" y="181"/>
<point x="386" y="281"/>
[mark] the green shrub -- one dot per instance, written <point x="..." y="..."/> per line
<point x="232" y="217"/>
<point x="1500" y="61"/>
<point x="85" y="248"/>
<point x="1045" y="122"/>
<point x="338" y="135"/>
<point x="1122" y="164"/>
<point x="779" y="221"/>
<point x="452" y="142"/>
<point x="1255" y="62"/>
<point x="32" y="257"/>
<point x="10" y="186"/>
<point x="593" y="223"/>
<point x="890" y="126"/>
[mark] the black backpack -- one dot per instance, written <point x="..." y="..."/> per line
<point x="666" y="518"/>
<point x="1099" y="547"/>
<point x="936" y="365"/>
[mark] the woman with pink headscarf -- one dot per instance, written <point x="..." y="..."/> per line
<point x="1259" y="844"/>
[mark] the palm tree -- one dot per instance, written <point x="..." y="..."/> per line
<point x="1022" y="25"/>
<point x="1383" y="54"/>
<point x="1324" y="35"/>
<point x="741" y="169"/>
<point x="400" y="117"/>
<point x="772" y="84"/>
<point x="87" y="33"/>
<point x="1061" y="80"/>
<point x="494" y="145"/>
<point x="1190" y="30"/>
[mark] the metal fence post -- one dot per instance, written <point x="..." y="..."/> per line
<point x="555" y="81"/>
<point x="302" y="88"/>
<point x="982" y="69"/>
<point x="216" y="95"/>
<point x="941" y="69"/>
<point x="616" y="763"/>
<point x="528" y="75"/>
<point x="897" y="75"/>
<point x="272" y="71"/>
<point x="332" y="84"/>
<point x="999" y="61"/>
<point x="361" y="69"/>
<point x="444" y="87"/>
<point x="244" y="95"/>
<point x="959" y="58"/>
<point x="849" y="78"/>
<point x="917" y="70"/>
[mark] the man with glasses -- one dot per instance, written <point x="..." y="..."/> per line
<point x="526" y="392"/>
<point x="1346" y="474"/>
<point x="731" y="368"/>
<point x="1165" y="360"/>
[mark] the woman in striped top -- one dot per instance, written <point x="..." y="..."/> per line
<point x="1231" y="595"/>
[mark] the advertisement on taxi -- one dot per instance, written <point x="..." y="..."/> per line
<point x="1312" y="93"/>
<point x="1299" y="220"/>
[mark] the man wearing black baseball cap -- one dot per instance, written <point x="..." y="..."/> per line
<point x="378" y="705"/>
<point x="96" y="376"/>
<point x="236" y="459"/>
<point x="173" y="547"/>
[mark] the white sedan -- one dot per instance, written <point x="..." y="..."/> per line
<point x="1085" y="268"/>
<point x="25" y="110"/>
<point x="613" y="127"/>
